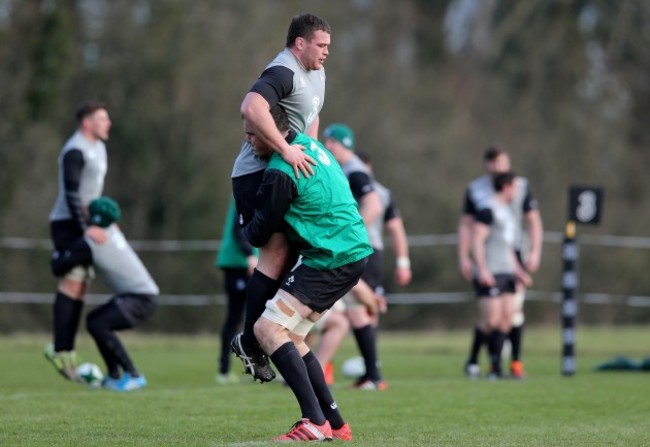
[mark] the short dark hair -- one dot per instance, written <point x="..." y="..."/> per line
<point x="305" y="25"/>
<point x="492" y="152"/>
<point x="87" y="109"/>
<point x="500" y="180"/>
<point x="280" y="118"/>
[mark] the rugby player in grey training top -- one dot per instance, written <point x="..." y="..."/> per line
<point x="295" y="80"/>
<point x="339" y="139"/>
<point x="497" y="267"/>
<point x="479" y="192"/>
<point x="82" y="168"/>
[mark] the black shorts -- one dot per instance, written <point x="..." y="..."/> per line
<point x="505" y="283"/>
<point x="244" y="189"/>
<point x="235" y="281"/>
<point x="374" y="273"/>
<point x="64" y="233"/>
<point x="320" y="289"/>
<point x="135" y="307"/>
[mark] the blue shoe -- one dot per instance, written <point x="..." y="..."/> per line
<point x="130" y="383"/>
<point x="111" y="384"/>
<point x="125" y="383"/>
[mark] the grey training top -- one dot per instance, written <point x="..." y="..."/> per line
<point x="481" y="191"/>
<point x="120" y="266"/>
<point x="499" y="245"/>
<point x="299" y="91"/>
<point x="376" y="228"/>
<point x="91" y="182"/>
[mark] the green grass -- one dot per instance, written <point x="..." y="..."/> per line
<point x="428" y="402"/>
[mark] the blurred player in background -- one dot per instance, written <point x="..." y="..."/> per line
<point x="478" y="194"/>
<point x="135" y="292"/>
<point x="339" y="139"/>
<point x="334" y="326"/>
<point x="321" y="219"/>
<point x="392" y="223"/>
<point x="295" y="79"/>
<point x="497" y="267"/>
<point x="82" y="169"/>
<point x="237" y="259"/>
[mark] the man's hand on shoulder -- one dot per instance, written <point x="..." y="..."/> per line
<point x="300" y="161"/>
<point x="97" y="234"/>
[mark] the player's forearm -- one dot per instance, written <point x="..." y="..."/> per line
<point x="398" y="236"/>
<point x="535" y="231"/>
<point x="479" y="236"/>
<point x="255" y="110"/>
<point x="464" y="240"/>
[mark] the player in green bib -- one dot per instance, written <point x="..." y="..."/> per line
<point x="320" y="218"/>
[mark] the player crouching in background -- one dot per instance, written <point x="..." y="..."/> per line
<point x="135" y="293"/>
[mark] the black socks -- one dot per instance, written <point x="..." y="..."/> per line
<point x="260" y="289"/>
<point x="67" y="313"/>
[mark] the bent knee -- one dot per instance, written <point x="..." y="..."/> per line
<point x="94" y="324"/>
<point x="76" y="290"/>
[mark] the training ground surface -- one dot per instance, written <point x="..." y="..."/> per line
<point x="429" y="401"/>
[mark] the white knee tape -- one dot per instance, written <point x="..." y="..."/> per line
<point x="278" y="316"/>
<point x="303" y="328"/>
<point x="518" y="316"/>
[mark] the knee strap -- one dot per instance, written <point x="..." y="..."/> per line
<point x="282" y="313"/>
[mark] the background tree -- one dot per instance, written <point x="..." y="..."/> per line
<point x="426" y="86"/>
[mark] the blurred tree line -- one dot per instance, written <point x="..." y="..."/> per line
<point x="564" y="85"/>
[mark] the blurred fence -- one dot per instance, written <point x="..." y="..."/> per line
<point x="422" y="310"/>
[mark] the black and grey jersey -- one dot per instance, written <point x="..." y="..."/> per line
<point x="480" y="193"/>
<point x="299" y="91"/>
<point x="359" y="176"/>
<point x="82" y="169"/>
<point x="119" y="265"/>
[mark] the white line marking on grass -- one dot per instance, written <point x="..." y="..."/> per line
<point x="91" y="392"/>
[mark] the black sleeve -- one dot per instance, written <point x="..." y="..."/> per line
<point x="73" y="164"/>
<point x="485" y="216"/>
<point x="360" y="184"/>
<point x="273" y="199"/>
<point x="240" y="238"/>
<point x="391" y="210"/>
<point x="469" y="207"/>
<point x="274" y="84"/>
<point x="530" y="203"/>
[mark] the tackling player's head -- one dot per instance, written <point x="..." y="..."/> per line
<point x="308" y="38"/>
<point x="260" y="147"/>
<point x="504" y="185"/>
<point x="339" y="140"/>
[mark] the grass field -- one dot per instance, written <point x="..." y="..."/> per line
<point x="428" y="403"/>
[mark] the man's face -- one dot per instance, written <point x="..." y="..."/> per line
<point x="336" y="148"/>
<point x="499" y="165"/>
<point x="312" y="53"/>
<point x="98" y="124"/>
<point x="260" y="148"/>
